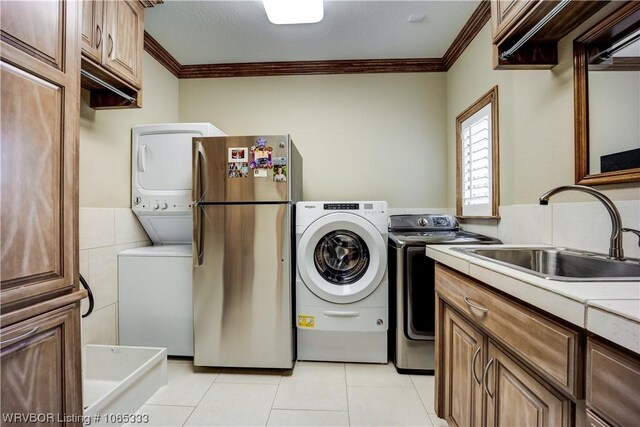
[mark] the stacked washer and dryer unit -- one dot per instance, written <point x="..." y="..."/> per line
<point x="155" y="282"/>
<point x="342" y="309"/>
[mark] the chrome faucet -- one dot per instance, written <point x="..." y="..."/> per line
<point x="615" y="242"/>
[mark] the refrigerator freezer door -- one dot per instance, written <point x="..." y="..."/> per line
<point x="223" y="172"/>
<point x="242" y="287"/>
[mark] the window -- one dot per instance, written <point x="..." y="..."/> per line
<point x="477" y="180"/>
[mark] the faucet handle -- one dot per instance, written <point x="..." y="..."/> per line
<point x="634" y="231"/>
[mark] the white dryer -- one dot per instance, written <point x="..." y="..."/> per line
<point x="342" y="301"/>
<point x="155" y="284"/>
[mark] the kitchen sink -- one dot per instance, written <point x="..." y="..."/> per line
<point x="560" y="263"/>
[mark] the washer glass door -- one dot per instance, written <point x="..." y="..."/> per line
<point x="342" y="257"/>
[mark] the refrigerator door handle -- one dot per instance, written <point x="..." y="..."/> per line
<point x="198" y="232"/>
<point x="197" y="174"/>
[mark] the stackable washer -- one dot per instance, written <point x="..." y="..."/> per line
<point x="342" y="306"/>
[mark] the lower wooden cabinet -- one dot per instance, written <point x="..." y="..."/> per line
<point x="482" y="382"/>
<point x="517" y="398"/>
<point x="40" y="369"/>
<point x="502" y="363"/>
<point x="463" y="355"/>
<point x="613" y="385"/>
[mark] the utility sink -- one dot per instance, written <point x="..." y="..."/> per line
<point x="560" y="263"/>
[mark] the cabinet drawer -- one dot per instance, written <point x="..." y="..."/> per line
<point x="613" y="384"/>
<point x="546" y="345"/>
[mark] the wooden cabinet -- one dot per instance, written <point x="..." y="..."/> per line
<point x="513" y="19"/>
<point x="551" y="348"/>
<point x="489" y="370"/>
<point x="463" y="356"/>
<point x="112" y="48"/>
<point x="39" y="69"/>
<point x="612" y="385"/>
<point x="40" y="92"/>
<point x="515" y="397"/>
<point x="41" y="366"/>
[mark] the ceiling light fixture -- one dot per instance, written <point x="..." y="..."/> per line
<point x="294" y="11"/>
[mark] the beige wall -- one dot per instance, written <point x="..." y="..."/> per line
<point x="365" y="136"/>
<point x="536" y="122"/>
<point x="105" y="138"/>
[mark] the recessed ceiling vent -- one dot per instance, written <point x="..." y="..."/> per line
<point x="416" y="19"/>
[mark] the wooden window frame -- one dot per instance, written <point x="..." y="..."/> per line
<point x="490" y="97"/>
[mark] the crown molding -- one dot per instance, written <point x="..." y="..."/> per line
<point x="161" y="55"/>
<point x="478" y="19"/>
<point x="352" y="66"/>
<point x="287" y="68"/>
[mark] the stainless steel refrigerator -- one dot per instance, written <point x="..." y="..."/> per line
<point x="244" y="192"/>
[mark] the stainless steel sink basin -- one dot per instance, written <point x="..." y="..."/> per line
<point x="560" y="263"/>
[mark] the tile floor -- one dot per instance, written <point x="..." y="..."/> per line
<point x="315" y="394"/>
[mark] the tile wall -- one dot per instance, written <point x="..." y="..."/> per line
<point x="103" y="233"/>
<point x="574" y="225"/>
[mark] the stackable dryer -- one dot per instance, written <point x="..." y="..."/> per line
<point x="342" y="307"/>
<point x="155" y="282"/>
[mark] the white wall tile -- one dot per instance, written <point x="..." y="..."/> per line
<point x="103" y="276"/>
<point x="101" y="327"/>
<point x="587" y="226"/>
<point x="127" y="227"/>
<point x="488" y="227"/>
<point x="525" y="224"/>
<point x="97" y="227"/>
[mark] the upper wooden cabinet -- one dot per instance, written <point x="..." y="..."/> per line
<point x="40" y="371"/>
<point x="513" y="19"/>
<point x="112" y="47"/>
<point x="39" y="70"/>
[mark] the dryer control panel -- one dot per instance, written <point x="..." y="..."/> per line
<point x="167" y="203"/>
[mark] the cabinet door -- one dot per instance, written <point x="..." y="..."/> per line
<point x="613" y="383"/>
<point x="39" y="67"/>
<point x="92" y="36"/>
<point x="40" y="361"/>
<point x="124" y="40"/>
<point x="463" y="354"/>
<point x="517" y="398"/>
<point x="505" y="13"/>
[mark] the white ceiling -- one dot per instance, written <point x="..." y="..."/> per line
<point x="217" y="32"/>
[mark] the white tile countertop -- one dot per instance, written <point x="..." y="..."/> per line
<point x="608" y="309"/>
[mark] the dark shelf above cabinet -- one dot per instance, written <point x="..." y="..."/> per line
<point x="512" y="20"/>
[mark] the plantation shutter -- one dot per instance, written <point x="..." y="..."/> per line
<point x="476" y="163"/>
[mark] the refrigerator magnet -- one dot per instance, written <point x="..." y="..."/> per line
<point x="259" y="173"/>
<point x="261" y="155"/>
<point x="238" y="155"/>
<point x="280" y="173"/>
<point x="237" y="169"/>
<point x="282" y="161"/>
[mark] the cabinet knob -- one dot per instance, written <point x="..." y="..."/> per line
<point x="164" y="206"/>
<point x="156" y="206"/>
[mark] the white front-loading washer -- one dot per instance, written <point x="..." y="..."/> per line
<point x="342" y="301"/>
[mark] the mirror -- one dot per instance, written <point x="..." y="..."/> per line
<point x="606" y="68"/>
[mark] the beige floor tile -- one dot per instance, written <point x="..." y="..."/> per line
<point x="285" y="417"/>
<point x="234" y="405"/>
<point x="386" y="406"/>
<point x="163" y="416"/>
<point x="249" y="376"/>
<point x="325" y="372"/>
<point x="311" y="395"/>
<point x="375" y="376"/>
<point x="425" y="386"/>
<point x="438" y="422"/>
<point x="186" y="385"/>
